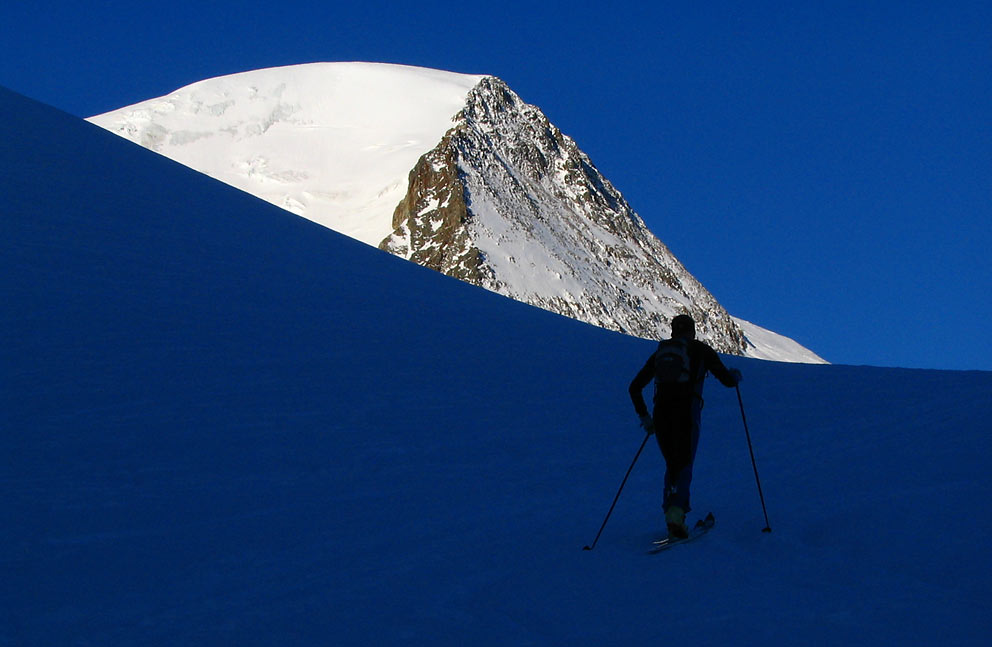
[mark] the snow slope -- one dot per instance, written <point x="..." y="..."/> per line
<point x="331" y="141"/>
<point x="224" y="424"/>
<point x="771" y="345"/>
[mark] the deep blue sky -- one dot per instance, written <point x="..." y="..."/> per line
<point x="824" y="169"/>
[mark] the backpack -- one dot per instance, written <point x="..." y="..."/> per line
<point x="671" y="363"/>
<point x="673" y="396"/>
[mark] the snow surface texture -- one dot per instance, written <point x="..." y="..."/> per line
<point x="336" y="143"/>
<point x="224" y="424"/>
<point x="333" y="142"/>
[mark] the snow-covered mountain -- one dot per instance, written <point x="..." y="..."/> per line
<point x="454" y="172"/>
<point x="213" y="435"/>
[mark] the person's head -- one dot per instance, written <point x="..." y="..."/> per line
<point x="683" y="327"/>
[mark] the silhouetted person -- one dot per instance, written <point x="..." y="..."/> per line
<point x="678" y="368"/>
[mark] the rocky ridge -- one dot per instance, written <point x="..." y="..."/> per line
<point x="509" y="203"/>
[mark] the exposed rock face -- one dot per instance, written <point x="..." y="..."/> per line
<point x="509" y="203"/>
<point x="431" y="221"/>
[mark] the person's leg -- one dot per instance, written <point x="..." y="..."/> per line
<point x="682" y="482"/>
<point x="673" y="429"/>
<point x="666" y="435"/>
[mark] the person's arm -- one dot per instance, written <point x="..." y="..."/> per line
<point x="641" y="380"/>
<point x="727" y="377"/>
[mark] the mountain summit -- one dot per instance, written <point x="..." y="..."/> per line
<point x="451" y="171"/>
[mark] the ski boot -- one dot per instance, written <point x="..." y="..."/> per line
<point x="675" y="518"/>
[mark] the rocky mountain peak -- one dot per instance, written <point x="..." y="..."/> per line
<point x="508" y="202"/>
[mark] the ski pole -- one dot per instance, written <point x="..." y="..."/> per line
<point x="768" y="527"/>
<point x="617" y="497"/>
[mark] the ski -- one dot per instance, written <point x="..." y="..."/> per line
<point x="702" y="527"/>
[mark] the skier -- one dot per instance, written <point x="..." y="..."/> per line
<point x="678" y="367"/>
